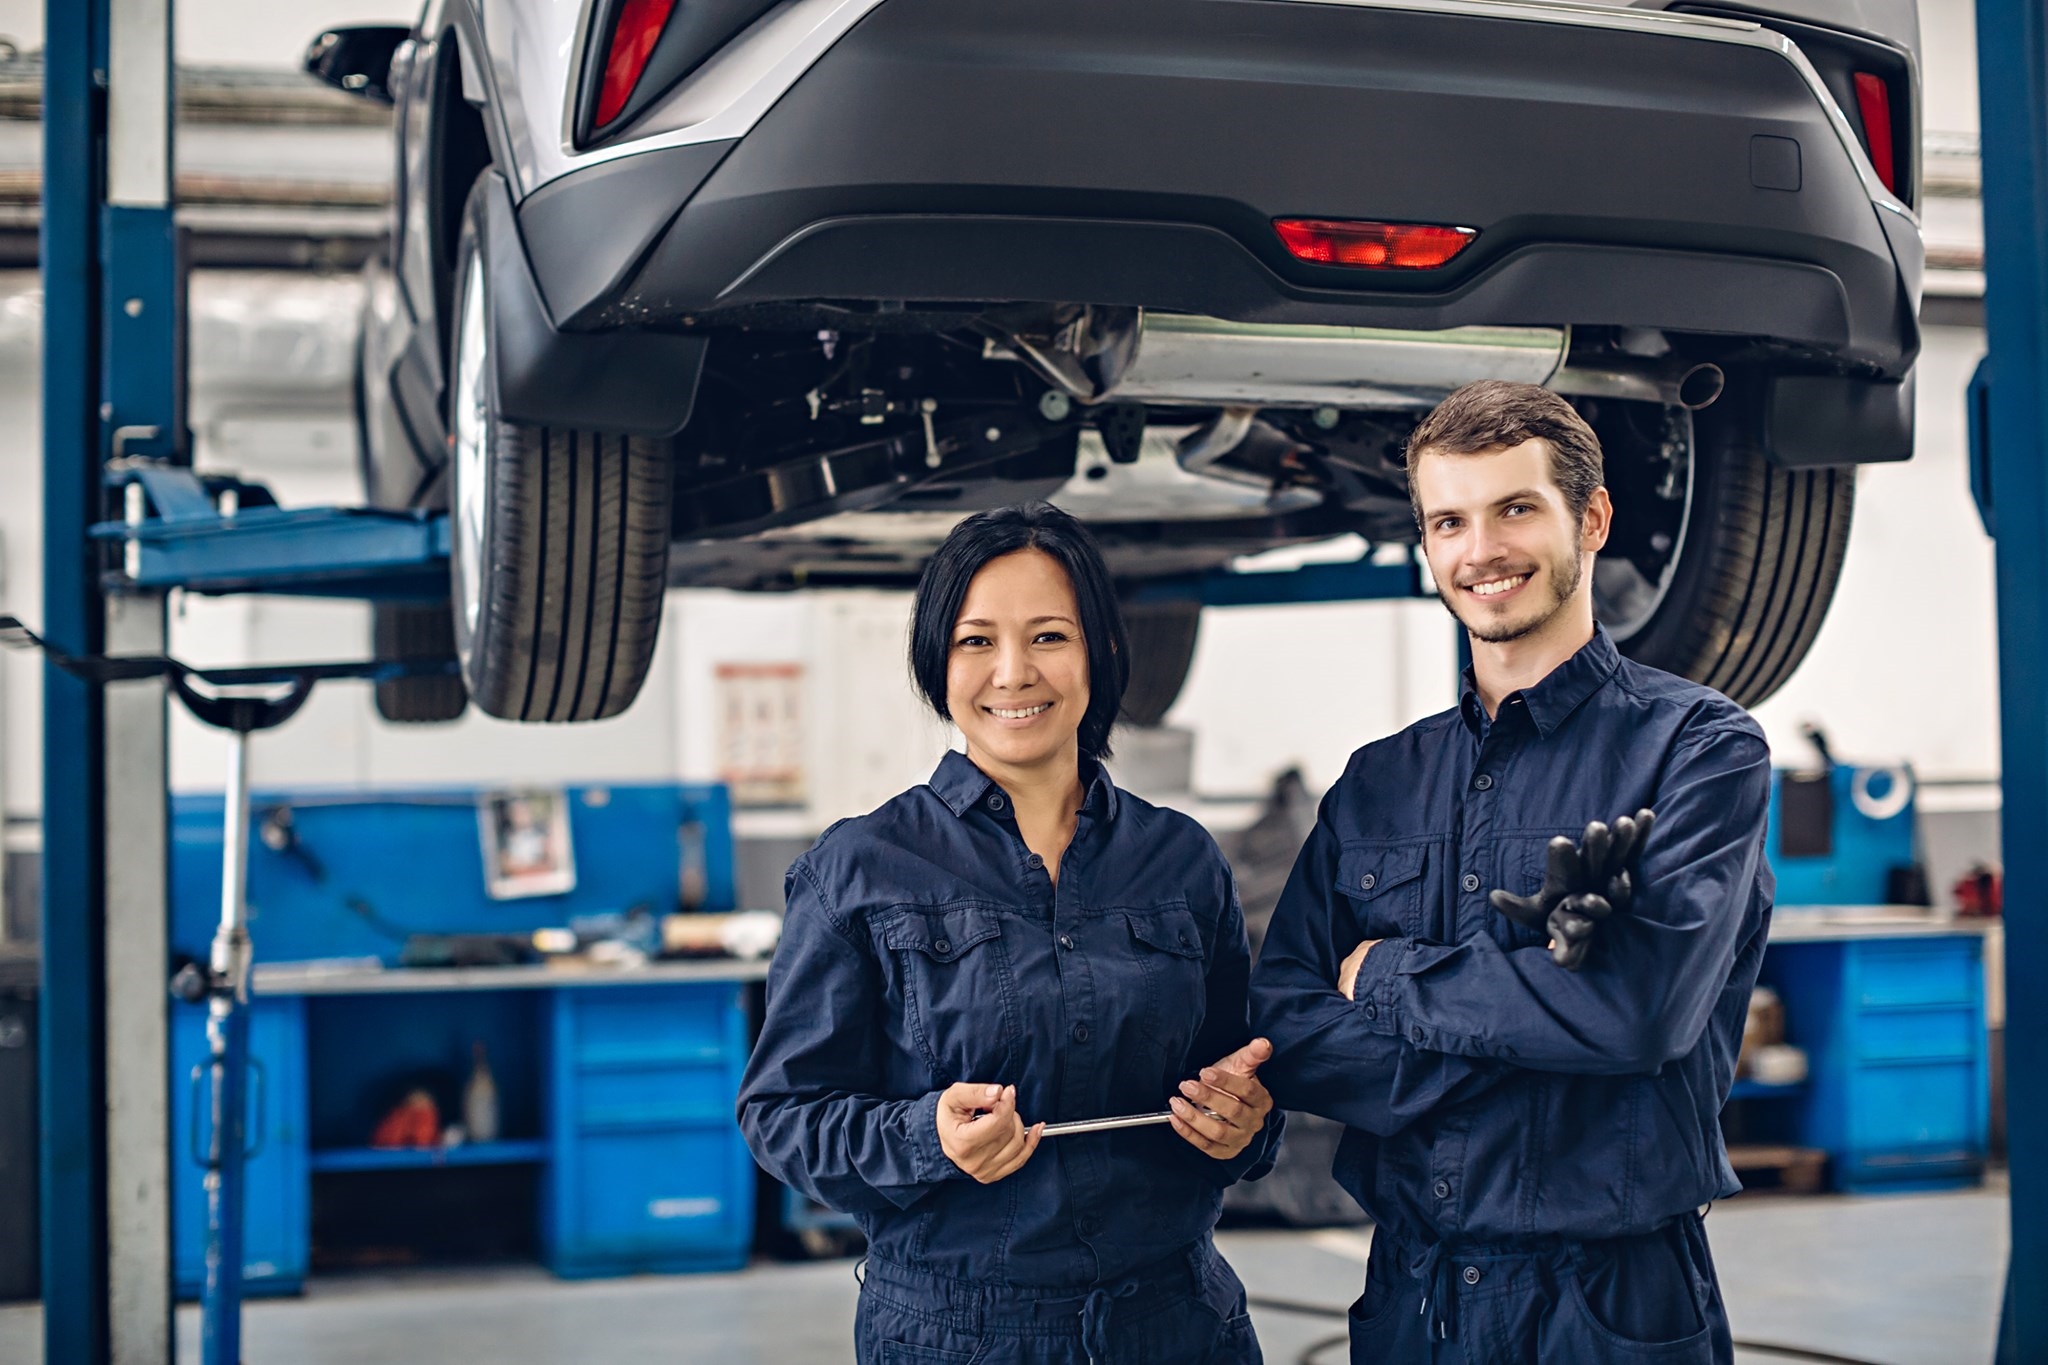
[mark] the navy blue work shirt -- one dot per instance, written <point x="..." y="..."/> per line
<point x="925" y="944"/>
<point x="1490" y="1095"/>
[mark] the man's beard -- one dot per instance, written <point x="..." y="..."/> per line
<point x="1564" y="573"/>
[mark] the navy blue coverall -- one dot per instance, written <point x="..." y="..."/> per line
<point x="1534" y="1144"/>
<point x="925" y="944"/>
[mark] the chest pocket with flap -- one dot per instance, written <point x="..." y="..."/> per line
<point x="1172" y="975"/>
<point x="1383" y="885"/>
<point x="958" y="989"/>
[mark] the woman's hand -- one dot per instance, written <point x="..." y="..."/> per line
<point x="1235" y="1099"/>
<point x="981" y="1133"/>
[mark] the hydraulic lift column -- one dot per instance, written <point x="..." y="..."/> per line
<point x="2010" y="427"/>
<point x="112" y="388"/>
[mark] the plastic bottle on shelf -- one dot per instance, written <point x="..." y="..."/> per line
<point x="480" y="1099"/>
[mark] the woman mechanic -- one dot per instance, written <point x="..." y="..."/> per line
<point x="1014" y="942"/>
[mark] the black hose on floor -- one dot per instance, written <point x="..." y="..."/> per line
<point x="1324" y="1310"/>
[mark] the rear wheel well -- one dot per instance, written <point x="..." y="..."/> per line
<point x="461" y="153"/>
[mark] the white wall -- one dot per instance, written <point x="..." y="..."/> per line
<point x="1948" y="65"/>
<point x="21" y="539"/>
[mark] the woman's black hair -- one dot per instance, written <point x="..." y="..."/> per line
<point x="991" y="535"/>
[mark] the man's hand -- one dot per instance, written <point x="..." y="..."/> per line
<point x="1347" y="971"/>
<point x="1583" y="884"/>
<point x="980" y="1131"/>
<point x="1234" y="1098"/>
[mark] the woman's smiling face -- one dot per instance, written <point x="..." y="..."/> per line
<point x="1017" y="666"/>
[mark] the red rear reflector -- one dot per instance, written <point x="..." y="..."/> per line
<point x="633" y="38"/>
<point x="1874" y="101"/>
<point x="1372" y="246"/>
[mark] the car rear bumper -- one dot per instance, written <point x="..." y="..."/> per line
<point x="978" y="151"/>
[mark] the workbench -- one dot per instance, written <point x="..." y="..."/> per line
<point x="616" y="1091"/>
<point x="1889" y="1004"/>
<point x="617" y="1149"/>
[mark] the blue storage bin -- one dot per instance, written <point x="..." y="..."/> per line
<point x="275" y="1223"/>
<point x="647" y="1169"/>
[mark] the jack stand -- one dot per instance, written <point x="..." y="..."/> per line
<point x="224" y="985"/>
<point x="224" y="982"/>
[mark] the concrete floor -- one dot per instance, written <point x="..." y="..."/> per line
<point x="1900" y="1280"/>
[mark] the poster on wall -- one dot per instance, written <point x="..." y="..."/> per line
<point x="761" y="733"/>
<point x="526" y="843"/>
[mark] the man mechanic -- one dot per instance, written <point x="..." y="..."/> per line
<point x="1535" y="1141"/>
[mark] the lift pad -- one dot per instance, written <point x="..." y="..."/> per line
<point x="214" y="535"/>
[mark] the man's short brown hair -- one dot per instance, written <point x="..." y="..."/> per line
<point x="1495" y="414"/>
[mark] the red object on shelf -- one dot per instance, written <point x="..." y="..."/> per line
<point x="1980" y="893"/>
<point x="415" y="1122"/>
<point x="1372" y="246"/>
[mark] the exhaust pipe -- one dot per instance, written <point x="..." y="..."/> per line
<point x="1209" y="362"/>
<point x="1669" y="380"/>
<point x="1178" y="358"/>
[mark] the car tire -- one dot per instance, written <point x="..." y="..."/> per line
<point x="559" y="546"/>
<point x="1162" y="636"/>
<point x="407" y="631"/>
<point x="1759" y="555"/>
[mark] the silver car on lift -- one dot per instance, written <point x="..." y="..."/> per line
<point x="768" y="293"/>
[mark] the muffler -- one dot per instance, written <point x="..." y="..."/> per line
<point x="1177" y="359"/>
<point x="1209" y="362"/>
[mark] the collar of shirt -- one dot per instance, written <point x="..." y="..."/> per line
<point x="1551" y="701"/>
<point x="961" y="785"/>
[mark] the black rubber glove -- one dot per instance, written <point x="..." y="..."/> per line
<point x="1583" y="883"/>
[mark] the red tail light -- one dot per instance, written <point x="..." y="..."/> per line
<point x="1874" y="102"/>
<point x="1372" y="246"/>
<point x="638" y="28"/>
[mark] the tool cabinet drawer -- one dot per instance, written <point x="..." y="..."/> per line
<point x="651" y="1199"/>
<point x="1942" y="1033"/>
<point x="1937" y="972"/>
<point x="1906" y="1105"/>
<point x="630" y="1028"/>
<point x="654" y="1097"/>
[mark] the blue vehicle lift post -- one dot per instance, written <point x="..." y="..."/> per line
<point x="112" y="385"/>
<point x="2009" y="427"/>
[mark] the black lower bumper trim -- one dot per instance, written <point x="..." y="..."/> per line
<point x="1189" y="268"/>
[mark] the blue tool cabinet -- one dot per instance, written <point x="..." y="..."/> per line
<point x="1899" y="1095"/>
<point x="648" y="1172"/>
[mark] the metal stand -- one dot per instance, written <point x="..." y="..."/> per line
<point x="224" y="982"/>
<point x="224" y="985"/>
